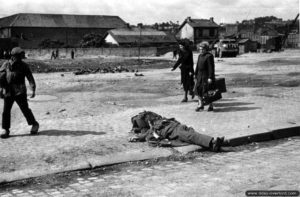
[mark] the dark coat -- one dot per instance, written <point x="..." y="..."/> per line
<point x="205" y="69"/>
<point x="186" y="61"/>
<point x="178" y="134"/>
<point x="15" y="73"/>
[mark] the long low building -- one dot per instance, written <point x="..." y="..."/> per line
<point x="134" y="36"/>
<point x="32" y="30"/>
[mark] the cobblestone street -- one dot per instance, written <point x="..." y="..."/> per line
<point x="263" y="166"/>
<point x="85" y="122"/>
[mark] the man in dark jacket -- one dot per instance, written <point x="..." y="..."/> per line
<point x="187" y="70"/>
<point x="204" y="74"/>
<point x="163" y="129"/>
<point x="14" y="89"/>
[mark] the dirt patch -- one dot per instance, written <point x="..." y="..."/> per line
<point x="293" y="74"/>
<point x="278" y="62"/>
<point x="290" y="83"/>
<point x="67" y="65"/>
<point x="254" y="80"/>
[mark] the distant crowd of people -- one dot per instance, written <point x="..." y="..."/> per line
<point x="6" y="54"/>
<point x="55" y="54"/>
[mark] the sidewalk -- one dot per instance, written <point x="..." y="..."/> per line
<point x="85" y="142"/>
<point x="96" y="136"/>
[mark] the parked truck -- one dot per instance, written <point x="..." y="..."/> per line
<point x="226" y="47"/>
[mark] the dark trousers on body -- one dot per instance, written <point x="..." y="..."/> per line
<point x="21" y="100"/>
<point x="189" y="135"/>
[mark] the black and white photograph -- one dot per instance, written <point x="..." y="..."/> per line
<point x="150" y="98"/>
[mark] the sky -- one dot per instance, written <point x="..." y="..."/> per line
<point x="151" y="11"/>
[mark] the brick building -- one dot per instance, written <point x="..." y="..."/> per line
<point x="30" y="30"/>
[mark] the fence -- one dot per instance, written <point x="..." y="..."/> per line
<point x="91" y="52"/>
<point x="292" y="41"/>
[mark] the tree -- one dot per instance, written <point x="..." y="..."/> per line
<point x="264" y="19"/>
<point x="92" y="40"/>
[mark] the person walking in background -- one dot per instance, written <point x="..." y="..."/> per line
<point x="56" y="54"/>
<point x="204" y="74"/>
<point x="12" y="83"/>
<point x="72" y="54"/>
<point x="53" y="55"/>
<point x="186" y="63"/>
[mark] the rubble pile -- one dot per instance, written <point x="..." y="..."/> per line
<point x="117" y="69"/>
<point x="97" y="65"/>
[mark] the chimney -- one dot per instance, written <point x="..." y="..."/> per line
<point x="128" y="25"/>
<point x="211" y="19"/>
<point x="188" y="19"/>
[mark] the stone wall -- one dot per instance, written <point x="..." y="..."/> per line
<point x="91" y="52"/>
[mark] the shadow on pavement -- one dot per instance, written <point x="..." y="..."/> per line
<point x="232" y="104"/>
<point x="227" y="99"/>
<point x="63" y="133"/>
<point x="234" y="109"/>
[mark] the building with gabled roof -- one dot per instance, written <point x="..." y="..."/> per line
<point x="138" y="36"/>
<point x="198" y="30"/>
<point x="30" y="30"/>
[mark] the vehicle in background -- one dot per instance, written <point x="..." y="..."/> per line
<point x="226" y="47"/>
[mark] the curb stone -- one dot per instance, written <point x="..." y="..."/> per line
<point x="263" y="135"/>
<point x="267" y="136"/>
<point x="158" y="153"/>
<point x="89" y="164"/>
<point x="33" y="173"/>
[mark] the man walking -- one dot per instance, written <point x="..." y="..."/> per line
<point x="13" y="73"/>
<point x="72" y="54"/>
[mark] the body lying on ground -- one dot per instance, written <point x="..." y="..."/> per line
<point x="157" y="130"/>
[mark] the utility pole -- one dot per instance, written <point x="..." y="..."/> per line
<point x="140" y="25"/>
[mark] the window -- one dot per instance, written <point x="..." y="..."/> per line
<point x="212" y="32"/>
<point x="198" y="33"/>
<point x="205" y="32"/>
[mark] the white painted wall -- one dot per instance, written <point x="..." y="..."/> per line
<point x="299" y="36"/>
<point x="111" y="40"/>
<point x="187" y="31"/>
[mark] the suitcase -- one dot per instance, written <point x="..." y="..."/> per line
<point x="220" y="85"/>
<point x="211" y="96"/>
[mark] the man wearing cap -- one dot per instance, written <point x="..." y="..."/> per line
<point x="14" y="89"/>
